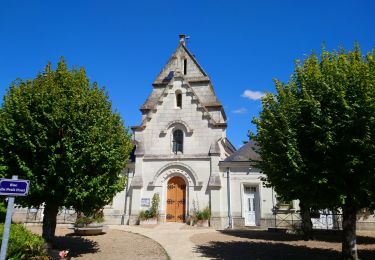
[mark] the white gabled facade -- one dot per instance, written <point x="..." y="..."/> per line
<point x="183" y="100"/>
<point x="182" y="153"/>
<point x="201" y="119"/>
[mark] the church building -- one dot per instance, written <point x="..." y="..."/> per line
<point x="183" y="154"/>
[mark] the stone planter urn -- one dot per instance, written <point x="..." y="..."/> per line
<point x="284" y="207"/>
<point x="202" y="223"/>
<point x="88" y="229"/>
<point x="148" y="221"/>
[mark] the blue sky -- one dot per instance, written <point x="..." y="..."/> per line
<point x="123" y="45"/>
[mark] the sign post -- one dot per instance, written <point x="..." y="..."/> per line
<point x="11" y="188"/>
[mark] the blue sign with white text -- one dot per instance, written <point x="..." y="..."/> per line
<point x="11" y="187"/>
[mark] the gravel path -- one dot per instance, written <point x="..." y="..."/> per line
<point x="113" y="245"/>
<point x="174" y="237"/>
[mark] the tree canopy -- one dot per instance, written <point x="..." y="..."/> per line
<point x="60" y="132"/>
<point x="317" y="135"/>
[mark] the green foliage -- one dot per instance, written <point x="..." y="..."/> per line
<point x="59" y="131"/>
<point x="204" y="214"/>
<point x="89" y="220"/>
<point x="281" y="202"/>
<point x="3" y="211"/>
<point x="96" y="216"/>
<point x="317" y="137"/>
<point x="23" y="244"/>
<point x="146" y="214"/>
<point x="317" y="134"/>
<point x="198" y="214"/>
<point x="155" y="204"/>
<point x="153" y="211"/>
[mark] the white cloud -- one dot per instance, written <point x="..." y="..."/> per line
<point x="241" y="110"/>
<point x="253" y="95"/>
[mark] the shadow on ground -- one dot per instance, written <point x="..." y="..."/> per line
<point x="77" y="245"/>
<point x="265" y="251"/>
<point x="319" y="235"/>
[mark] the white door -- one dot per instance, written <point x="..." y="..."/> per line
<point x="250" y="206"/>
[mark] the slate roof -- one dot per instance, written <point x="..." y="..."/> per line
<point x="206" y="95"/>
<point x="197" y="84"/>
<point x="245" y="153"/>
<point x="153" y="98"/>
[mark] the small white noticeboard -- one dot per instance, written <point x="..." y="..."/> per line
<point x="145" y="202"/>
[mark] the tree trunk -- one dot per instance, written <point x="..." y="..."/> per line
<point x="349" y="244"/>
<point x="49" y="221"/>
<point x="306" y="224"/>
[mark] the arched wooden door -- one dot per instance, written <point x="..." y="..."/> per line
<point x="176" y="198"/>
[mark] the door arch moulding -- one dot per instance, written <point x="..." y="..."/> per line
<point x="176" y="169"/>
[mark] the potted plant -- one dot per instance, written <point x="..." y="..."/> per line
<point x="202" y="217"/>
<point x="283" y="205"/>
<point x="150" y="216"/>
<point x="90" y="224"/>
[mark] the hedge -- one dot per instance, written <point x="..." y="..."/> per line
<point x="23" y="244"/>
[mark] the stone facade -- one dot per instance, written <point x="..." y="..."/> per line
<point x="201" y="118"/>
<point x="183" y="99"/>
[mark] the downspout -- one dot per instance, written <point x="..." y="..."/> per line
<point x="210" y="193"/>
<point x="126" y="198"/>
<point x="230" y="223"/>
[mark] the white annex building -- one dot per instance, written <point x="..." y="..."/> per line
<point x="182" y="153"/>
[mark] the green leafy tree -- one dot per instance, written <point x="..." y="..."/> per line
<point x="59" y="131"/>
<point x="317" y="136"/>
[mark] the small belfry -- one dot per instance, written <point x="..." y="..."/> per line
<point x="183" y="38"/>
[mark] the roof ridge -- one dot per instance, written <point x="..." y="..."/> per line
<point x="195" y="60"/>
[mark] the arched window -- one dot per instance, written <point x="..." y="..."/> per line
<point x="178" y="141"/>
<point x="179" y="99"/>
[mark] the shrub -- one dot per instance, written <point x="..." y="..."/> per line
<point x="155" y="204"/>
<point x="281" y="202"/>
<point x="95" y="217"/>
<point x="3" y="211"/>
<point x="88" y="220"/>
<point x="205" y="214"/>
<point x="146" y="214"/>
<point x="198" y="214"/>
<point x="23" y="244"/>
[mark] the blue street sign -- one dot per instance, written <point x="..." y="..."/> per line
<point x="9" y="187"/>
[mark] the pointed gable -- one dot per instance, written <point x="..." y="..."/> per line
<point x="181" y="60"/>
<point x="183" y="65"/>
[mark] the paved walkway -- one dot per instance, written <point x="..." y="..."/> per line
<point x="174" y="237"/>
